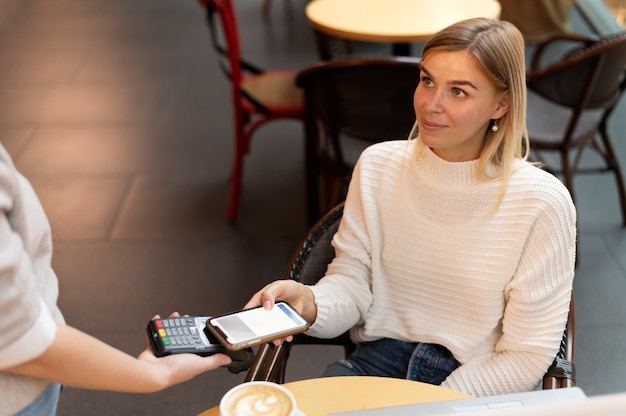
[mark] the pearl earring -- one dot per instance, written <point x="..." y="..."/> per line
<point x="494" y="126"/>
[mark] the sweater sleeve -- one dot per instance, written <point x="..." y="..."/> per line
<point x="27" y="328"/>
<point x="537" y="304"/>
<point x="344" y="294"/>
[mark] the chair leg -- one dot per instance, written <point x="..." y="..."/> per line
<point x="619" y="182"/>
<point x="268" y="364"/>
<point x="568" y="174"/>
<point x="613" y="164"/>
<point x="235" y="189"/>
<point x="568" y="179"/>
<point x="267" y="4"/>
<point x="323" y="46"/>
<point x="237" y="174"/>
<point x="312" y="165"/>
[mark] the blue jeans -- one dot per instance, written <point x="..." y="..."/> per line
<point x="428" y="363"/>
<point x="45" y="404"/>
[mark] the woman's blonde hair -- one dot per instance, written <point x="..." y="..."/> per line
<point x="498" y="46"/>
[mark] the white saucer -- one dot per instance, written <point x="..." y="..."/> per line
<point x="298" y="413"/>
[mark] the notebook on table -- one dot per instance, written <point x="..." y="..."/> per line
<point x="478" y="405"/>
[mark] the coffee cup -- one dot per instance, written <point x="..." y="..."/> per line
<point x="258" y="398"/>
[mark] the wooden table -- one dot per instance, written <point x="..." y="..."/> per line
<point x="399" y="22"/>
<point x="320" y="396"/>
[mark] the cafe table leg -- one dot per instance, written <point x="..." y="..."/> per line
<point x="323" y="46"/>
<point x="401" y="49"/>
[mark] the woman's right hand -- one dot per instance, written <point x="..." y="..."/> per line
<point x="299" y="296"/>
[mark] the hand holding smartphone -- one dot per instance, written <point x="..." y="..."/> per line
<point x="254" y="326"/>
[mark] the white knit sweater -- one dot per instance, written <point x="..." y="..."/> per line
<point x="419" y="258"/>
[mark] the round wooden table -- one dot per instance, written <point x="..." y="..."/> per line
<point x="321" y="396"/>
<point x="398" y="22"/>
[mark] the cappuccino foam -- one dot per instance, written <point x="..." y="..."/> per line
<point x="258" y="400"/>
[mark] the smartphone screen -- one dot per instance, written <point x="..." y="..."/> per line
<point x="254" y="326"/>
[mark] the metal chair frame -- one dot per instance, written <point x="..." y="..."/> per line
<point x="258" y="96"/>
<point x="590" y="77"/>
<point x="367" y="99"/>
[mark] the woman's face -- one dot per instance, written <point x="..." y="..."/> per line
<point x="454" y="103"/>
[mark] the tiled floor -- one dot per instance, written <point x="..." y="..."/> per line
<point x="118" y="114"/>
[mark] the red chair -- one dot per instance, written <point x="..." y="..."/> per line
<point x="258" y="96"/>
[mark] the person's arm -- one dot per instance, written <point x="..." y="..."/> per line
<point x="343" y="295"/>
<point x="537" y="304"/>
<point x="32" y="341"/>
<point x="80" y="360"/>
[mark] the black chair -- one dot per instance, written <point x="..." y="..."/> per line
<point x="361" y="101"/>
<point x="570" y="102"/>
<point x="308" y="264"/>
<point x="562" y="372"/>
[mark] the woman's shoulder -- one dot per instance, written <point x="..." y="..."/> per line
<point x="525" y="170"/>
<point x="535" y="181"/>
<point x="8" y="177"/>
<point x="388" y="148"/>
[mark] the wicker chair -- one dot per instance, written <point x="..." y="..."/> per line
<point x="358" y="101"/>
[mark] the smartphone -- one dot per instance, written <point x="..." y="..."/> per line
<point x="241" y="329"/>
<point x="190" y="335"/>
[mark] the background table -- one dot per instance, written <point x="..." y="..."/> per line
<point x="321" y="396"/>
<point x="398" y="22"/>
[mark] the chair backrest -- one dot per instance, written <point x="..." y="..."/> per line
<point x="224" y="35"/>
<point x="562" y="372"/>
<point x="368" y="98"/>
<point x="310" y="261"/>
<point x="588" y="77"/>
<point x="224" y="29"/>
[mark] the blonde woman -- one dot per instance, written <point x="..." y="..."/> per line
<point x="455" y="256"/>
